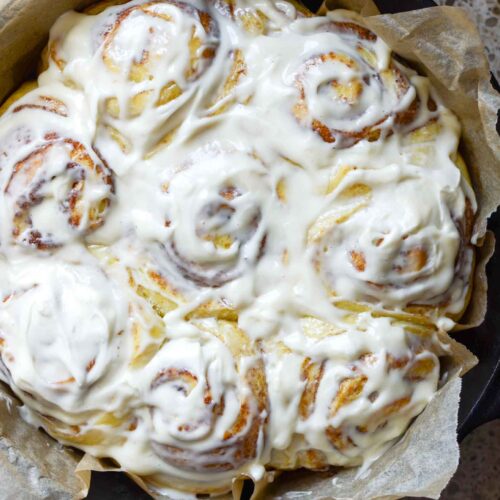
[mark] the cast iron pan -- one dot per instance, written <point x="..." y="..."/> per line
<point x="480" y="401"/>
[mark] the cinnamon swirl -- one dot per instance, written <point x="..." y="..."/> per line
<point x="207" y="410"/>
<point x="352" y="389"/>
<point x="419" y="254"/>
<point x="223" y="233"/>
<point x="337" y="89"/>
<point x="52" y="177"/>
<point x="150" y="58"/>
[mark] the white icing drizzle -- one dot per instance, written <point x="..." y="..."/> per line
<point x="229" y="235"/>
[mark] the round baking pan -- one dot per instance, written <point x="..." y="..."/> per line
<point x="480" y="397"/>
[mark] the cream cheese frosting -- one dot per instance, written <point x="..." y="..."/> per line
<point x="230" y="233"/>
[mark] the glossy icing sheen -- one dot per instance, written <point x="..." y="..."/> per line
<point x="230" y="233"/>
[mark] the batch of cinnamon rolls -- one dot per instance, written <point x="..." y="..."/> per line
<point x="231" y="235"/>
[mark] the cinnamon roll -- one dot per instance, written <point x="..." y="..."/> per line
<point x="131" y="46"/>
<point x="150" y="57"/>
<point x="222" y="234"/>
<point x="207" y="399"/>
<point x="66" y="368"/>
<point x="357" y="390"/>
<point x="349" y="91"/>
<point x="416" y="255"/>
<point x="51" y="170"/>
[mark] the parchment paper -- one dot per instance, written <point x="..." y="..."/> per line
<point x="441" y="42"/>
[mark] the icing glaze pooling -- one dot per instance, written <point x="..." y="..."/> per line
<point x="230" y="232"/>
